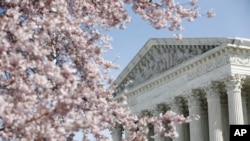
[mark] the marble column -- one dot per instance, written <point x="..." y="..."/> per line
<point x="169" y="105"/>
<point x="198" y="128"/>
<point x="161" y="108"/>
<point x="159" y="137"/>
<point x="214" y="111"/>
<point x="116" y="133"/>
<point x="248" y="107"/>
<point x="225" y="116"/>
<point x="149" y="112"/>
<point x="180" y="128"/>
<point x="233" y="87"/>
<point x="127" y="134"/>
<point x="244" y="106"/>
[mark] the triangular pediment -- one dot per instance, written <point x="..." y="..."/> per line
<point x="160" y="55"/>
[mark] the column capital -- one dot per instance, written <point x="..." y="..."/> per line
<point x="194" y="99"/>
<point x="178" y="104"/>
<point x="198" y="99"/>
<point x="118" y="127"/>
<point x="145" y="113"/>
<point x="179" y="100"/>
<point x="213" y="90"/>
<point x="162" y="107"/>
<point x="184" y="99"/>
<point x="234" y="82"/>
<point x="150" y="111"/>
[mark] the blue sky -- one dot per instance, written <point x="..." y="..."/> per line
<point x="232" y="20"/>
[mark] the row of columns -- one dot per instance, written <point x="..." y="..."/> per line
<point x="218" y="105"/>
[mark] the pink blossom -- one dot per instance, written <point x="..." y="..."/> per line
<point x="178" y="36"/>
<point x="193" y="2"/>
<point x="210" y="13"/>
<point x="46" y="97"/>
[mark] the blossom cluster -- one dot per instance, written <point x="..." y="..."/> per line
<point x="168" y="13"/>
<point x="53" y="75"/>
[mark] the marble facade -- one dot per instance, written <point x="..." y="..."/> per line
<point x="205" y="76"/>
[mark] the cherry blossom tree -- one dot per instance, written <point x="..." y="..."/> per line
<point x="53" y="76"/>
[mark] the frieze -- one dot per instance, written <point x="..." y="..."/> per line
<point x="132" y="101"/>
<point x="240" y="59"/>
<point x="208" y="67"/>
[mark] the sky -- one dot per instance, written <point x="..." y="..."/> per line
<point x="232" y="20"/>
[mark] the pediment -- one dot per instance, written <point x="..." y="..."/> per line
<point x="160" y="55"/>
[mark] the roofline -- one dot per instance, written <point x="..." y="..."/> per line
<point x="171" y="41"/>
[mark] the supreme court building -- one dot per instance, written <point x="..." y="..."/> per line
<point x="205" y="76"/>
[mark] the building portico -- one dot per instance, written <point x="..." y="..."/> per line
<point x="209" y="77"/>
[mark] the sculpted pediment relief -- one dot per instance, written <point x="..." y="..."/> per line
<point x="162" y="58"/>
